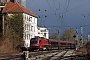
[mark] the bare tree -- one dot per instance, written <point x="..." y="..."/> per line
<point x="68" y="35"/>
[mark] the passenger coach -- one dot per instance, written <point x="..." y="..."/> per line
<point x="39" y="43"/>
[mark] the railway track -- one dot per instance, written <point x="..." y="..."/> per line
<point x="57" y="55"/>
<point x="53" y="55"/>
<point x="46" y="55"/>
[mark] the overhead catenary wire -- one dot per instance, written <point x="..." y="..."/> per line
<point x="51" y="8"/>
<point x="58" y="16"/>
<point x="74" y="8"/>
<point x="68" y="10"/>
<point x="63" y="12"/>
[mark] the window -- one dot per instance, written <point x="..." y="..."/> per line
<point x="38" y="32"/>
<point x="25" y="26"/>
<point x="30" y="19"/>
<point x="25" y="17"/>
<point x="28" y="27"/>
<point x="38" y="28"/>
<point x="31" y="28"/>
<point x="25" y="36"/>
<point x="29" y="36"/>
<point x="45" y="34"/>
<point x="43" y="30"/>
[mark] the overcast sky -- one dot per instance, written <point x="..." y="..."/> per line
<point x="55" y="14"/>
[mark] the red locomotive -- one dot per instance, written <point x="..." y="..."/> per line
<point x="39" y="43"/>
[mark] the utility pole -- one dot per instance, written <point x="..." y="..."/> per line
<point x="58" y="39"/>
<point x="81" y="36"/>
<point x="76" y="39"/>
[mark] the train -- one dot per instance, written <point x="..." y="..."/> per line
<point x="40" y="43"/>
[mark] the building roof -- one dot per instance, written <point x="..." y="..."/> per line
<point x="16" y="7"/>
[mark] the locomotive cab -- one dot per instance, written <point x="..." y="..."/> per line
<point x="39" y="43"/>
<point x="34" y="44"/>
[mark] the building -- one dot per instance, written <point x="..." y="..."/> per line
<point x="5" y="1"/>
<point x="29" y="20"/>
<point x="22" y="2"/>
<point x="43" y="32"/>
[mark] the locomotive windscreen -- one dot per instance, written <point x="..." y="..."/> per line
<point x="33" y="40"/>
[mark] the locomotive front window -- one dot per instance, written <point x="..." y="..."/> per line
<point x="33" y="40"/>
